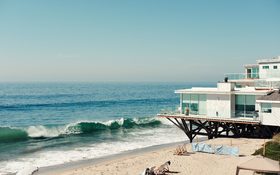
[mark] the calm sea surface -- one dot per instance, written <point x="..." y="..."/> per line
<point x="44" y="124"/>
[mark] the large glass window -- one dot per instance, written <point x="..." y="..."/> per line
<point x="195" y="103"/>
<point x="202" y="105"/>
<point x="245" y="105"/>
<point x="255" y="72"/>
<point x="239" y="103"/>
<point x="266" y="107"/>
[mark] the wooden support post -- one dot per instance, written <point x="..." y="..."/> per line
<point x="243" y="130"/>
<point x="227" y="130"/>
<point x="210" y="131"/>
<point x="186" y="129"/>
<point x="211" y="128"/>
<point x="174" y="123"/>
<point x="181" y="126"/>
<point x="191" y="131"/>
<point x="216" y="129"/>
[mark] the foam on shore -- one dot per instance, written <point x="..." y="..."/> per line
<point x="140" y="139"/>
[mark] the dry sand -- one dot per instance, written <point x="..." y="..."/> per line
<point x="192" y="164"/>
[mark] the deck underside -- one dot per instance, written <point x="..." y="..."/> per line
<point x="214" y="128"/>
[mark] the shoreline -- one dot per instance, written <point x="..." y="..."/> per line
<point x="48" y="170"/>
<point x="136" y="161"/>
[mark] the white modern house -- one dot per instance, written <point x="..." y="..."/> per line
<point x="266" y="73"/>
<point x="242" y="104"/>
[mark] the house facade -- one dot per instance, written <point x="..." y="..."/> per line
<point x="252" y="95"/>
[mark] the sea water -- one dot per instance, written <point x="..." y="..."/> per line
<point x="43" y="124"/>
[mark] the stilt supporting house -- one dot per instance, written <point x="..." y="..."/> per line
<point x="215" y="127"/>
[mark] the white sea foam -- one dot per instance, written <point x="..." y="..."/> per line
<point x="55" y="131"/>
<point x="109" y="122"/>
<point x="138" y="139"/>
<point x="42" y="131"/>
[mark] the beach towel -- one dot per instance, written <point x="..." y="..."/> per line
<point x="202" y="147"/>
<point x="226" y="150"/>
<point x="219" y="149"/>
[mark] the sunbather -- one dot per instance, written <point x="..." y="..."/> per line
<point x="149" y="171"/>
<point x="162" y="169"/>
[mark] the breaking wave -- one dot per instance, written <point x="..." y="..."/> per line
<point x="10" y="134"/>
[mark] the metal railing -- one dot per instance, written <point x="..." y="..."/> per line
<point x="265" y="75"/>
<point x="240" y="76"/>
<point x="246" y="114"/>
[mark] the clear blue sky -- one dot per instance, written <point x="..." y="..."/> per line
<point x="144" y="40"/>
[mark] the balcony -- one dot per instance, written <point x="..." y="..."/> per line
<point x="242" y="76"/>
<point x="176" y="115"/>
<point x="245" y="114"/>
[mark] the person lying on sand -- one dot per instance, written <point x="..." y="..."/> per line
<point x="149" y="171"/>
<point x="161" y="170"/>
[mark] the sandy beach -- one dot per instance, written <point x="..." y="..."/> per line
<point x="191" y="164"/>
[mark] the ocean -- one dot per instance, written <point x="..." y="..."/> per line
<point x="44" y="124"/>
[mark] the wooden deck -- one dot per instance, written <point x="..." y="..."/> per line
<point x="214" y="119"/>
<point x="214" y="127"/>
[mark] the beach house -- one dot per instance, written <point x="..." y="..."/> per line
<point x="242" y="105"/>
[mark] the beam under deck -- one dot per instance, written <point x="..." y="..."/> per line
<point x="193" y="126"/>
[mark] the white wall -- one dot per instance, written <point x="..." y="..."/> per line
<point x="225" y="86"/>
<point x="268" y="72"/>
<point x="218" y="103"/>
<point x="272" y="118"/>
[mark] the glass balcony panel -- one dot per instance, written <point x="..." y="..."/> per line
<point x="240" y="76"/>
<point x="247" y="114"/>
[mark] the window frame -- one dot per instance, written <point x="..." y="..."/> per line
<point x="244" y="105"/>
<point x="196" y="103"/>
<point x="265" y="67"/>
<point x="266" y="109"/>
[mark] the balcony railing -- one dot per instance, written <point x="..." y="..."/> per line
<point x="236" y="115"/>
<point x="245" y="114"/>
<point x="240" y="76"/>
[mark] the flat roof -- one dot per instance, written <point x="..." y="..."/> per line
<point x="202" y="90"/>
<point x="272" y="60"/>
<point x="251" y="65"/>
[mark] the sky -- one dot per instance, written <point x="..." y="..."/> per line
<point x="134" y="40"/>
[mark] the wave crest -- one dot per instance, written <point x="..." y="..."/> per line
<point x="89" y="127"/>
<point x="8" y="134"/>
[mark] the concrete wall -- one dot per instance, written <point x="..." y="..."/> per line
<point x="272" y="118"/>
<point x="225" y="86"/>
<point x="267" y="73"/>
<point x="218" y="103"/>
